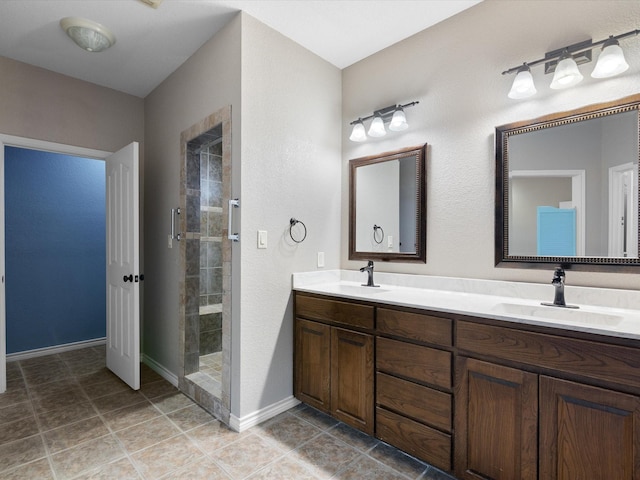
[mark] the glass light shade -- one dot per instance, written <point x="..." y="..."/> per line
<point x="377" y="127"/>
<point x="567" y="73"/>
<point x="398" y="121"/>
<point x="523" y="86"/>
<point x="358" y="134"/>
<point x="611" y="61"/>
<point x="87" y="34"/>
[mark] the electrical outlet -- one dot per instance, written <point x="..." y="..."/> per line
<point x="320" y="259"/>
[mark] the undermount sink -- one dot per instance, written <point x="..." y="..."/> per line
<point x="558" y="313"/>
<point x="358" y="290"/>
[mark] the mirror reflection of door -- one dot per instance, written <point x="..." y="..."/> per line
<point x="623" y="210"/>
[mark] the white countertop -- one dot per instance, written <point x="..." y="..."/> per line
<point x="602" y="311"/>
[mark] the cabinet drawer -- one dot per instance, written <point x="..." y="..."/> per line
<point x="609" y="363"/>
<point x="414" y="438"/>
<point x="415" y="401"/>
<point x="415" y="326"/>
<point x="422" y="364"/>
<point x="334" y="311"/>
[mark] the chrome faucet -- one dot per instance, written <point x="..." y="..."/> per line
<point x="369" y="270"/>
<point x="558" y="283"/>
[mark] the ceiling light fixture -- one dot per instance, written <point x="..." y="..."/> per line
<point x="563" y="63"/>
<point x="393" y="114"/>
<point x="88" y="34"/>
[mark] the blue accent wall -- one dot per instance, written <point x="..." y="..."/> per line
<point x="55" y="249"/>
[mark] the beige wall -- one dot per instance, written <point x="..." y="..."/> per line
<point x="454" y="70"/>
<point x="37" y="103"/>
<point x="291" y="124"/>
<point x="286" y="163"/>
<point x="207" y="82"/>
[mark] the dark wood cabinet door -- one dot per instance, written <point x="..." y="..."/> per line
<point x="352" y="381"/>
<point x="313" y="364"/>
<point x="587" y="432"/>
<point x="495" y="422"/>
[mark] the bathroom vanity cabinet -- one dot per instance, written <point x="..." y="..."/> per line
<point x="481" y="398"/>
<point x="543" y="405"/>
<point x="334" y="359"/>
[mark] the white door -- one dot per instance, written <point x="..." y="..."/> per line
<point x="123" y="272"/>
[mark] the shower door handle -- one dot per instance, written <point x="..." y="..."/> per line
<point x="174" y="212"/>
<point x="233" y="203"/>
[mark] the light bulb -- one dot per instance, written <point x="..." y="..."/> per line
<point x="523" y="86"/>
<point x="377" y="127"/>
<point x="358" y="134"/>
<point x="398" y="121"/>
<point x="567" y="73"/>
<point x="611" y="61"/>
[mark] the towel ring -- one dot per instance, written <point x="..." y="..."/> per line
<point x="292" y="223"/>
<point x="375" y="230"/>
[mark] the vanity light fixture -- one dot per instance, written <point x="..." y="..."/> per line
<point x="88" y="34"/>
<point x="394" y="114"/>
<point x="563" y="63"/>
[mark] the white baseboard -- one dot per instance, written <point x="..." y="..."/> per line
<point x="259" y="416"/>
<point x="41" y="352"/>
<point x="161" y="370"/>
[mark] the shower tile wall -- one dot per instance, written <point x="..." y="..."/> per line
<point x="211" y="249"/>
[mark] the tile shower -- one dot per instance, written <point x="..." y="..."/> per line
<point x="210" y="248"/>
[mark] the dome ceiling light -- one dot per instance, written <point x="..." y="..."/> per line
<point x="89" y="35"/>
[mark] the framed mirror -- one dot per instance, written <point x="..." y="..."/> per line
<point x="567" y="189"/>
<point x="387" y="206"/>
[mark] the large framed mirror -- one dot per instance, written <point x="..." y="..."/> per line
<point x="567" y="189"/>
<point x="387" y="206"/>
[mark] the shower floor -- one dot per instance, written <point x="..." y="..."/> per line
<point x="209" y="377"/>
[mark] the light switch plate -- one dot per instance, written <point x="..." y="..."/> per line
<point x="262" y="239"/>
<point x="320" y="259"/>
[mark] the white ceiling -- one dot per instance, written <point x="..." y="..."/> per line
<point x="152" y="43"/>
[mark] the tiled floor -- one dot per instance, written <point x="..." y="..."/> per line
<point x="211" y="365"/>
<point x="65" y="416"/>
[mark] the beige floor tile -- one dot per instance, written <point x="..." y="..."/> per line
<point x="45" y="359"/>
<point x="111" y="386"/>
<point x="246" y="456"/>
<point x="74" y="434"/>
<point x="325" y="455"/>
<point x="46" y="372"/>
<point x="99" y="376"/>
<point x="288" y="430"/>
<point x="37" y="470"/>
<point x="86" y="368"/>
<point x="190" y="417"/>
<point x="398" y="460"/>
<point x="13" y="395"/>
<point x="131" y="415"/>
<point x="354" y="438"/>
<point x="214" y="435"/>
<point x="15" y="412"/>
<point x="366" y="467"/>
<point x="203" y="469"/>
<point x="86" y="456"/>
<point x="316" y="417"/>
<point x="66" y="415"/>
<point x="119" y="470"/>
<point x="59" y="400"/>
<point x="285" y="469"/>
<point x="23" y="428"/>
<point x="158" y="389"/>
<point x="54" y="388"/>
<point x="146" y="434"/>
<point x="166" y="456"/>
<point x="172" y="402"/>
<point x="21" y="451"/>
<point x="118" y="400"/>
<point x="147" y="375"/>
